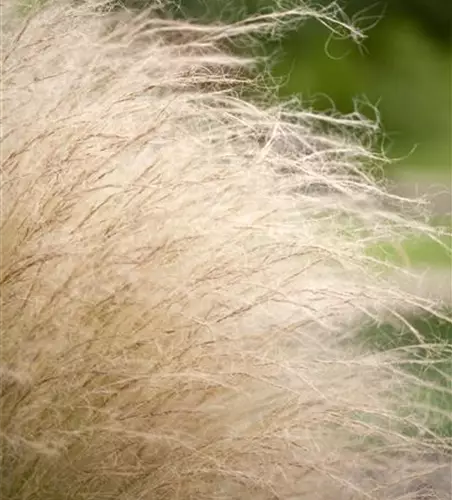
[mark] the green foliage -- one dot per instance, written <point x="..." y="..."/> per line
<point x="397" y="69"/>
<point x="416" y="252"/>
<point x="436" y="373"/>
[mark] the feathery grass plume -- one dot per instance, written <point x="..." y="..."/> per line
<point x="178" y="303"/>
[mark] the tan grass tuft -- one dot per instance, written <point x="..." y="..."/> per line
<point x="181" y="274"/>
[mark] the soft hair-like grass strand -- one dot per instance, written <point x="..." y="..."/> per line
<point x="184" y="274"/>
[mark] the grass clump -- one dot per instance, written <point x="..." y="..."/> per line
<point x="174" y="311"/>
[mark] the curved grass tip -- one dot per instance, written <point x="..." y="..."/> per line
<point x="185" y="275"/>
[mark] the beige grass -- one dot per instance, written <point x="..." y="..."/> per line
<point x="176" y="316"/>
